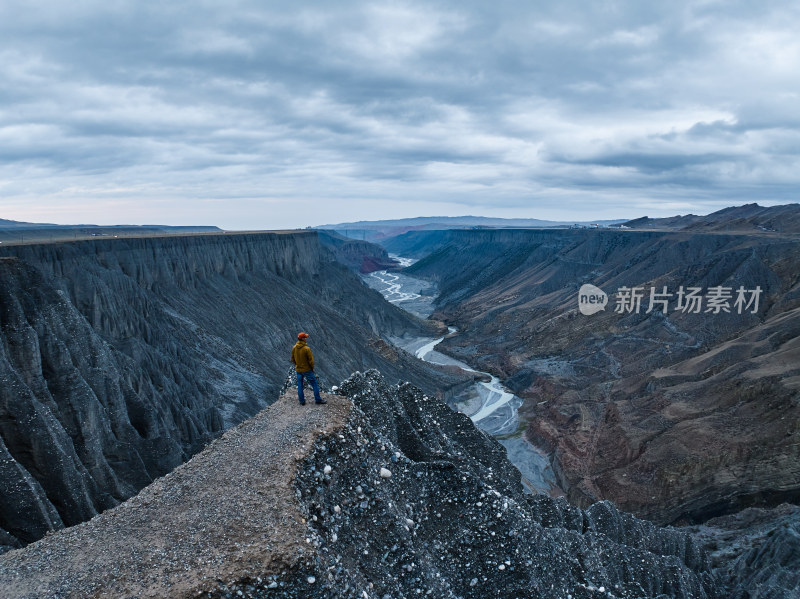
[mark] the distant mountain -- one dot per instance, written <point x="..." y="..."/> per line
<point x="378" y="230"/>
<point x="738" y="219"/>
<point x="445" y="221"/>
<point x="8" y="224"/>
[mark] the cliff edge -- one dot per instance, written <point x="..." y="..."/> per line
<point x="228" y="513"/>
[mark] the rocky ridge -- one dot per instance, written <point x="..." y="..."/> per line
<point x="228" y="513"/>
<point x="783" y="219"/>
<point x="387" y="493"/>
<point x="412" y="499"/>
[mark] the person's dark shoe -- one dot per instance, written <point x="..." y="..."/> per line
<point x="321" y="401"/>
<point x="302" y="403"/>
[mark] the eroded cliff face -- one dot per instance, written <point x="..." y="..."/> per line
<point x="119" y="359"/>
<point x="677" y="416"/>
<point x="77" y="437"/>
<point x="757" y="551"/>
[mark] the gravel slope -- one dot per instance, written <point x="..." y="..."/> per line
<point x="228" y="512"/>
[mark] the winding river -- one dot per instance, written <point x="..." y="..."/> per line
<point x="491" y="406"/>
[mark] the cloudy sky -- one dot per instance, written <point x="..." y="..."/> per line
<point x="276" y="114"/>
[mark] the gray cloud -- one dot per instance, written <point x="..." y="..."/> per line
<point x="261" y="115"/>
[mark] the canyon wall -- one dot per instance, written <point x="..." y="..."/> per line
<point x="676" y="416"/>
<point x="358" y="255"/>
<point x="120" y="358"/>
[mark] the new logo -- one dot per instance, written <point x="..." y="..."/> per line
<point x="591" y="299"/>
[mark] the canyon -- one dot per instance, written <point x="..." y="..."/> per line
<point x="144" y="389"/>
<point x="121" y="358"/>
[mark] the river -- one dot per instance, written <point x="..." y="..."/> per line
<point x="491" y="406"/>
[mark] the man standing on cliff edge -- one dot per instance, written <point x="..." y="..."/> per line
<point x="303" y="361"/>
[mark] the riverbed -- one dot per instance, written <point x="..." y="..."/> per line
<point x="491" y="406"/>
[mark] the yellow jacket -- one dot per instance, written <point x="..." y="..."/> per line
<point x="302" y="358"/>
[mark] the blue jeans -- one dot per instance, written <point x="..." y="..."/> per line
<point x="310" y="376"/>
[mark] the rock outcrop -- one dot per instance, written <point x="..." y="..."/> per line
<point x="675" y="417"/>
<point x="411" y="498"/>
<point x="120" y="358"/>
<point x="387" y="493"/>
